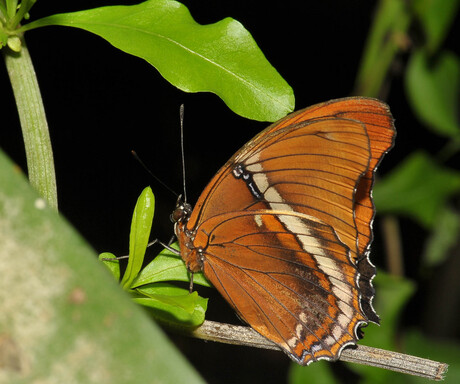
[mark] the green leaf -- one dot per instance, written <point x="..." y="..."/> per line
<point x="419" y="188"/>
<point x="173" y="305"/>
<point x="63" y="317"/>
<point x="222" y="58"/>
<point x="112" y="265"/>
<point x="436" y="16"/>
<point x="139" y="235"/>
<point x="433" y="91"/>
<point x="170" y="294"/>
<point x="167" y="266"/>
<point x="442" y="238"/>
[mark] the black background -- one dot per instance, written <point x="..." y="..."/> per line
<point x="102" y="103"/>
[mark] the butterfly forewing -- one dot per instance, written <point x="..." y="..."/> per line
<point x="283" y="229"/>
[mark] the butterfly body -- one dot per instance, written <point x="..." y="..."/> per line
<point x="283" y="229"/>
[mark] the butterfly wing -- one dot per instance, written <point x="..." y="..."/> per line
<point x="380" y="131"/>
<point x="292" y="193"/>
<point x="297" y="287"/>
<point x="377" y="118"/>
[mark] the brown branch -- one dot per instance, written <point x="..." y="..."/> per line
<point x="394" y="361"/>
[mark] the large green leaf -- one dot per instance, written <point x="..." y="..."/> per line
<point x="433" y="90"/>
<point x="222" y="58"/>
<point x="63" y="318"/>
<point x="418" y="187"/>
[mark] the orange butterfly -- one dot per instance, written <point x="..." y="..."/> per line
<point x="283" y="229"/>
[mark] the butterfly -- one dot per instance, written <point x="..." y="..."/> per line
<point x="283" y="230"/>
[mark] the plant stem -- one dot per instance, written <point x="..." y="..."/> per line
<point x="360" y="354"/>
<point x="34" y="126"/>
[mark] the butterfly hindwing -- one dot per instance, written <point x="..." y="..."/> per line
<point x="297" y="287"/>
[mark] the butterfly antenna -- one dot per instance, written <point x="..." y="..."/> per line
<point x="182" y="149"/>
<point x="153" y="175"/>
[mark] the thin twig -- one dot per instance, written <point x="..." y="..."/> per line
<point x="394" y="361"/>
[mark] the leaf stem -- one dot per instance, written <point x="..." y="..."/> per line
<point x="34" y="126"/>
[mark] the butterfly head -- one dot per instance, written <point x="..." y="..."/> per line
<point x="182" y="212"/>
<point x="191" y="255"/>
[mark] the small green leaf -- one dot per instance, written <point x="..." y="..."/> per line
<point x="433" y="91"/>
<point x="171" y="295"/>
<point x="139" y="235"/>
<point x="419" y="188"/>
<point x="173" y="304"/>
<point x="222" y="58"/>
<point x="112" y="265"/>
<point x="436" y="16"/>
<point x="167" y="266"/>
<point x="442" y="238"/>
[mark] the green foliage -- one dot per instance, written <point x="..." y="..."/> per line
<point x="167" y="303"/>
<point x="222" y="58"/>
<point x="173" y="305"/>
<point x="422" y="188"/>
<point x="433" y="90"/>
